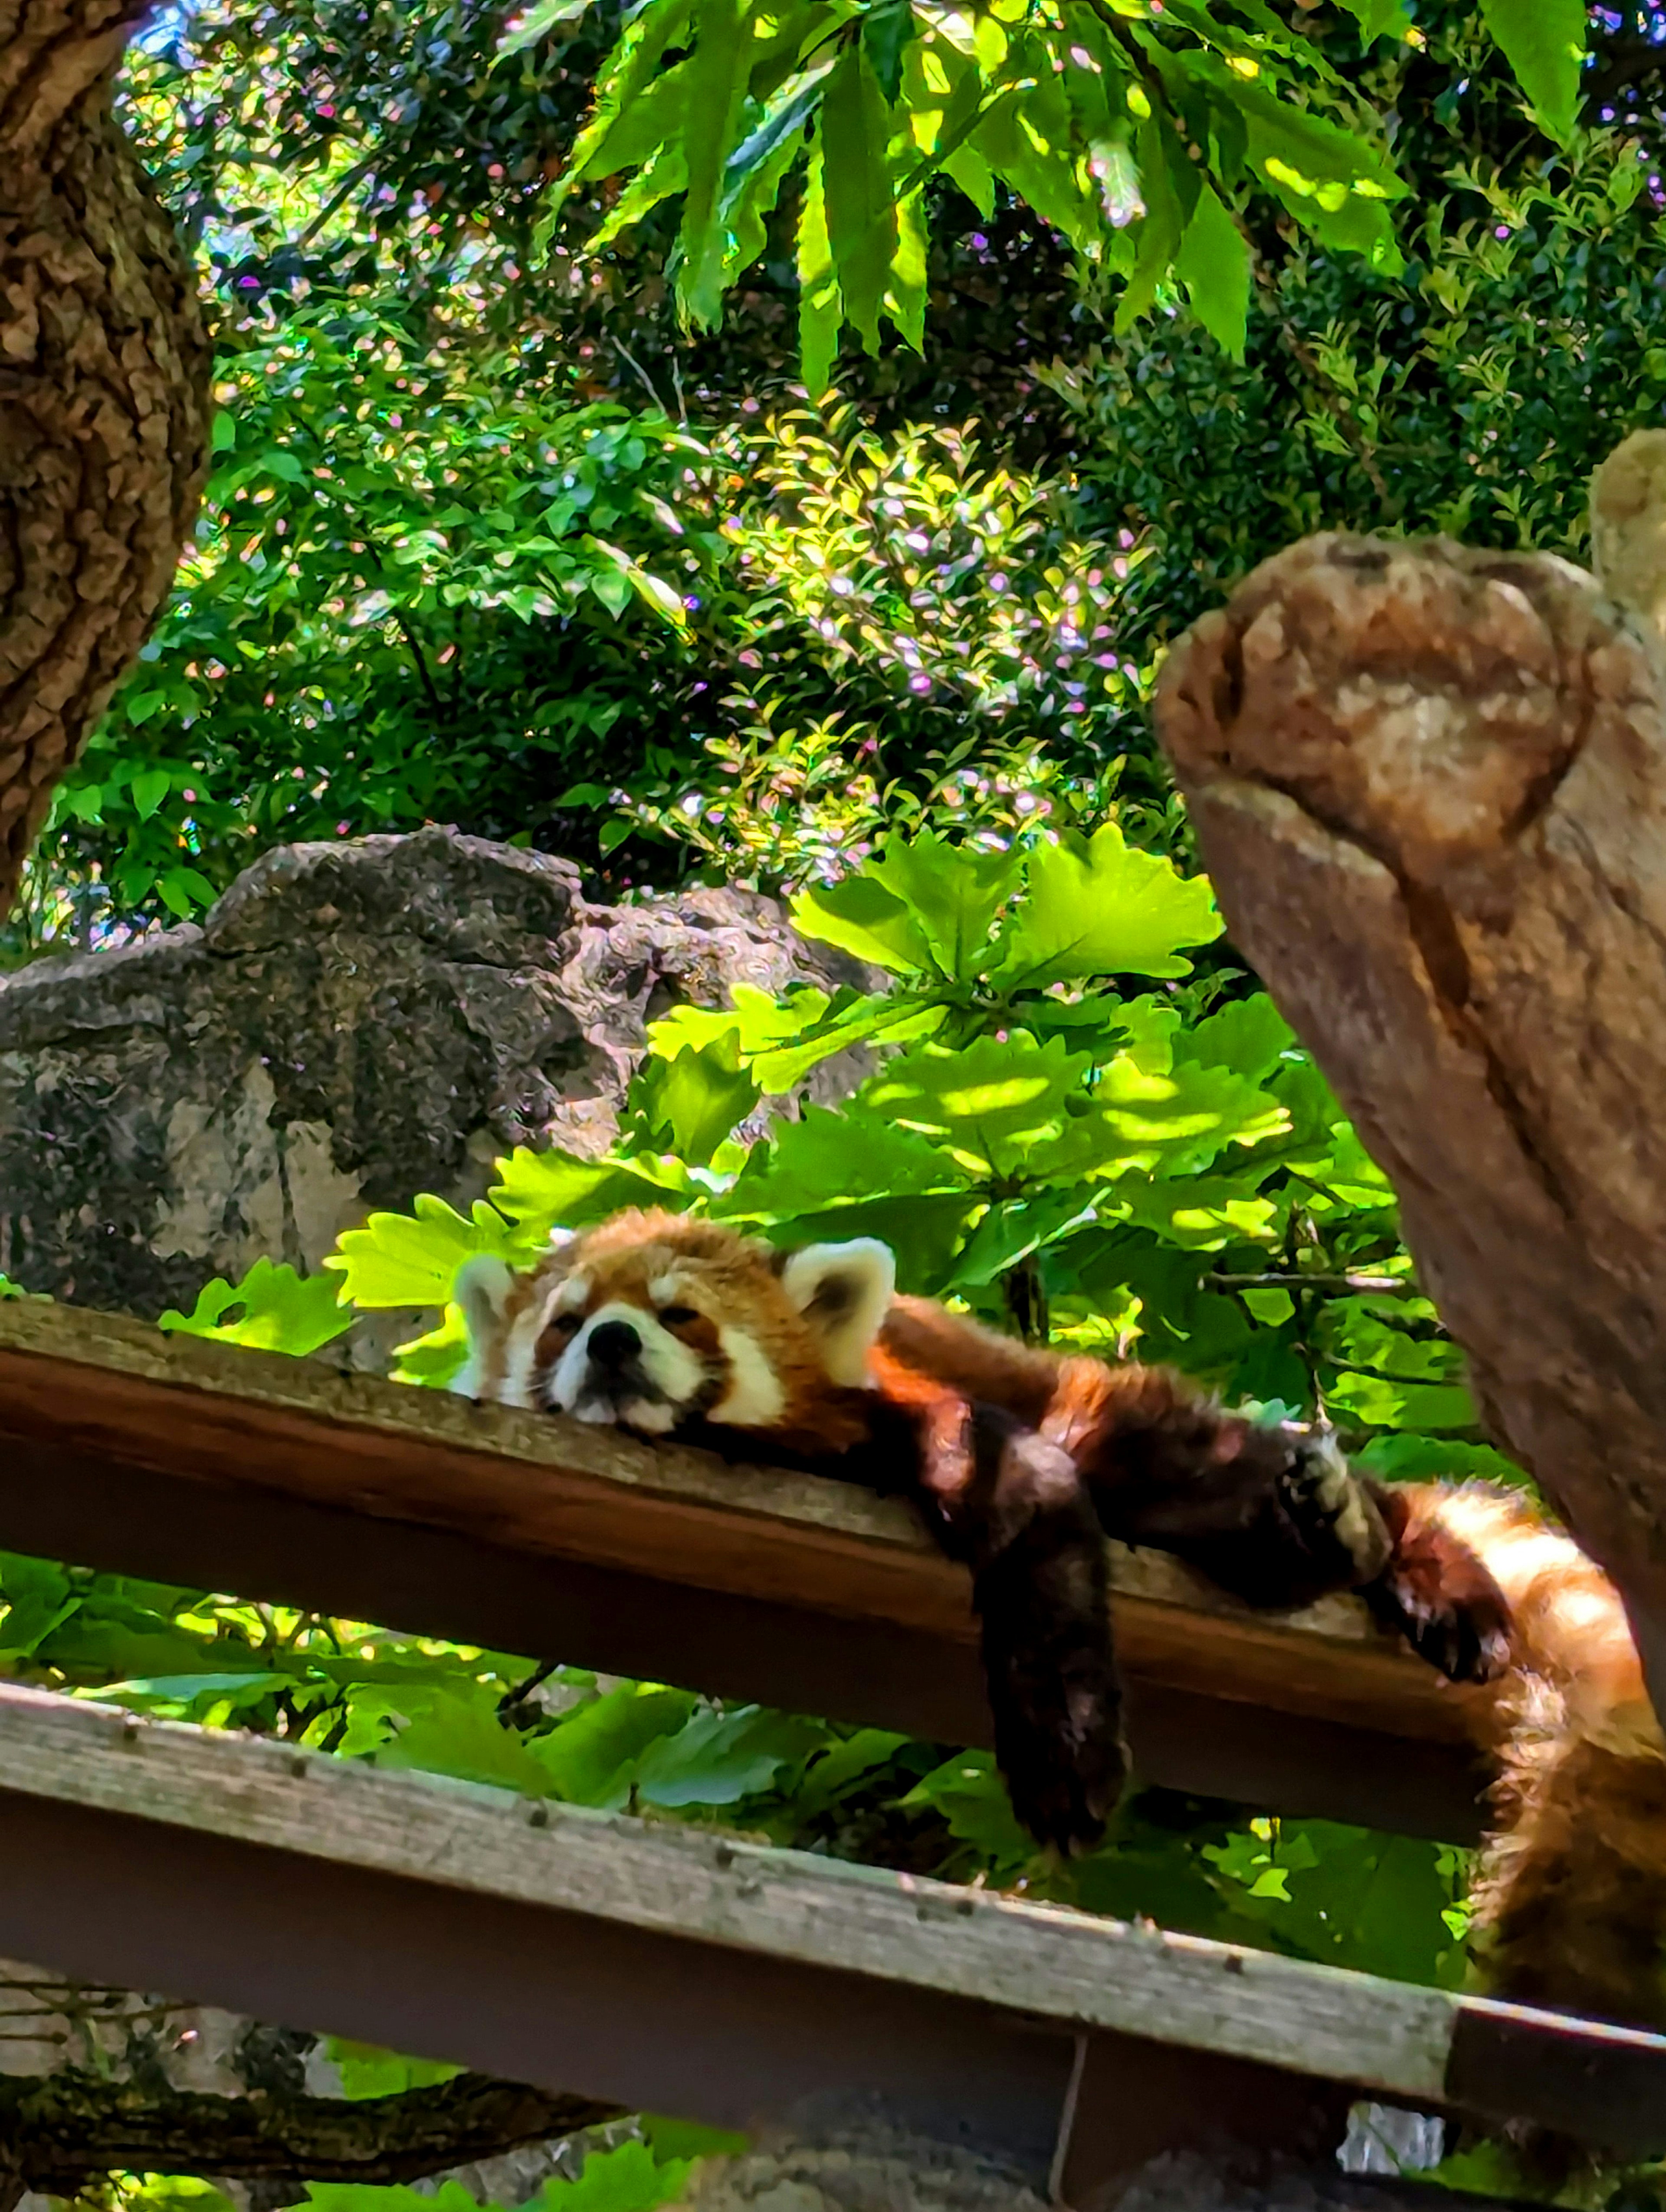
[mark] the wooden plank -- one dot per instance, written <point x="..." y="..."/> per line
<point x="126" y="1449"/>
<point x="833" y="1949"/>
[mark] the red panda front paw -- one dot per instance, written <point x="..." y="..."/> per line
<point x="1461" y="1625"/>
<point x="1439" y="1595"/>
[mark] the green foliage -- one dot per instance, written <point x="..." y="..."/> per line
<point x="418" y="593"/>
<point x="1475" y="394"/>
<point x="463" y="608"/>
<point x="273" y="1309"/>
<point x="1136" y="133"/>
<point x="368" y="2071"/>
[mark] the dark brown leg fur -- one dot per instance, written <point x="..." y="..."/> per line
<point x="1273" y="1516"/>
<point x="1040" y="1586"/>
<point x="1013" y="1507"/>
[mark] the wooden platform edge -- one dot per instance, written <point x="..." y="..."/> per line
<point x="684" y="1891"/>
<point x="133" y="1451"/>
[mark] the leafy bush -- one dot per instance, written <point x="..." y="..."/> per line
<point x="421" y="592"/>
<point x="1474" y="394"/>
<point x="418" y="594"/>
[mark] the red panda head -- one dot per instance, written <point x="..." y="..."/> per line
<point x="651" y="1320"/>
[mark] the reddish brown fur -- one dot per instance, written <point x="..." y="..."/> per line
<point x="730" y="1279"/>
<point x="1569" y="1890"/>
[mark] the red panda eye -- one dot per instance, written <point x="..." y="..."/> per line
<point x="565" y="1322"/>
<point x="677" y="1317"/>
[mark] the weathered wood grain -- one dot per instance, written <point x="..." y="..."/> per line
<point x="683" y="1883"/>
<point x="659" y="1964"/>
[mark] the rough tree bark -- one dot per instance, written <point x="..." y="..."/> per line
<point x="104" y="398"/>
<point x="1430" y="784"/>
<point x="63" y="2133"/>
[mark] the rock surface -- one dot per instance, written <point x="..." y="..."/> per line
<point x="351" y="1024"/>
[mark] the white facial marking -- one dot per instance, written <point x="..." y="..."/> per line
<point x="667" y="1290"/>
<point x="571" y="1298"/>
<point x="674" y="1371"/>
<point x="754" y="1397"/>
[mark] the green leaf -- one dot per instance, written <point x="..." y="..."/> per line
<point x="454" y="1731"/>
<point x="861" y="210"/>
<point x="1377" y="18"/>
<point x="1544" y="42"/>
<point x="273" y="1309"/>
<point x="368" y="2071"/>
<point x="1175" y="1123"/>
<point x="542" y="1191"/>
<point x="591" y="1759"/>
<point x="635" y="2177"/>
<point x="718" y="1758"/>
<point x="821" y="311"/>
<point x="887" y="27"/>
<point x="1381" y="1403"/>
<point x="992" y="1106"/>
<point x="184" y="891"/>
<point x="711" y="110"/>
<point x="952" y="894"/>
<point x="1103" y="908"/>
<point x="1403" y="1458"/>
<point x="827" y="1159"/>
<point x="967" y="1791"/>
<point x="1249" y="1036"/>
<point x="863" y="915"/>
<point x="695" y="1099"/>
<point x="1214" y="264"/>
<point x="149" y="788"/>
<point x="537" y="22"/>
<point x="411" y="1259"/>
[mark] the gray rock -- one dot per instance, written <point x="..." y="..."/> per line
<point x="353" y="1024"/>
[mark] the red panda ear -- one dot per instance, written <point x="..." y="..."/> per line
<point x="844" y="1292"/>
<point x="480" y="1287"/>
<point x="482" y="1284"/>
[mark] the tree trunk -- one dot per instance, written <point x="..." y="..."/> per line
<point x="63" y="2134"/>
<point x="104" y="398"/>
<point x="1430" y="784"/>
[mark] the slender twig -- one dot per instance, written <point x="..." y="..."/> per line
<point x="355" y="175"/>
<point x="1389" y="1285"/>
<point x="646" y="380"/>
<point x="421" y="659"/>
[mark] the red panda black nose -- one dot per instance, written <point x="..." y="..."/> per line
<point x="613" y="1344"/>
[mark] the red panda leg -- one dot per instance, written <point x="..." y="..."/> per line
<point x="1274" y="1515"/>
<point x="1041" y="1587"/>
<point x="1013" y="1507"/>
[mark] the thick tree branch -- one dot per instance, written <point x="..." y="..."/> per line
<point x="1430" y="784"/>
<point x="62" y="2131"/>
<point x="104" y="398"/>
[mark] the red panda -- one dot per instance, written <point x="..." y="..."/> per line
<point x="1020" y="1461"/>
<point x="1568" y="1900"/>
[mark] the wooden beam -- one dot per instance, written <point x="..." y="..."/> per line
<point x="664" y="1965"/>
<point x="129" y="1450"/>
